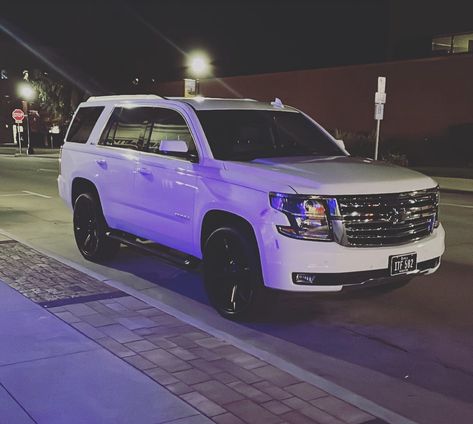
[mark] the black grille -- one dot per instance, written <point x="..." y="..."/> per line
<point x="388" y="219"/>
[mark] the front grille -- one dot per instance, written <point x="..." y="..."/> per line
<point x="388" y="219"/>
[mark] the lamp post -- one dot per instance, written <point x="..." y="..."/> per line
<point x="26" y="94"/>
<point x="199" y="66"/>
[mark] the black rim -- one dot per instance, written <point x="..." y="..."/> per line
<point x="85" y="228"/>
<point x="229" y="274"/>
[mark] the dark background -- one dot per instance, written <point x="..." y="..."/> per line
<point x="103" y="46"/>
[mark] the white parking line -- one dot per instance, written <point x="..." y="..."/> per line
<point x="32" y="193"/>
<point x="14" y="195"/>
<point x="458" y="206"/>
<point x="47" y="170"/>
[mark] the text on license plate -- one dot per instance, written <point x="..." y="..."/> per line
<point x="400" y="264"/>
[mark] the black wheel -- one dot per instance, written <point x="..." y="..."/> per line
<point x="232" y="273"/>
<point x="90" y="230"/>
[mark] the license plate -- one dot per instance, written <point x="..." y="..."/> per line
<point x="401" y="264"/>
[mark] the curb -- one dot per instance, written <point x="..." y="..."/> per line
<point x="17" y="155"/>
<point x="272" y="359"/>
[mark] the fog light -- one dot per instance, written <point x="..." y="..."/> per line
<point x="303" y="278"/>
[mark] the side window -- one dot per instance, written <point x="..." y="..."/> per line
<point x="170" y="125"/>
<point x="126" y="128"/>
<point x="83" y="124"/>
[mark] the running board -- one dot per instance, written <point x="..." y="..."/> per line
<point x="169" y="255"/>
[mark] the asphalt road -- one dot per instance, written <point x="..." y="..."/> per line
<point x="409" y="350"/>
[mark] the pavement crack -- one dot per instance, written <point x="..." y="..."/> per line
<point x="454" y="368"/>
<point x="377" y="339"/>
<point x="17" y="402"/>
<point x="55" y="356"/>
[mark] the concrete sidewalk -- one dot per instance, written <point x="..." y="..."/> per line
<point x="84" y="352"/>
<point x="51" y="373"/>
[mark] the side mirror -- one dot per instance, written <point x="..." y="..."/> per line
<point x="173" y="146"/>
<point x="340" y="144"/>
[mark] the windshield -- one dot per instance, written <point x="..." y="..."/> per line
<point x="244" y="135"/>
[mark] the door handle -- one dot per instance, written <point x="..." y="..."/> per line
<point x="143" y="171"/>
<point x="101" y="162"/>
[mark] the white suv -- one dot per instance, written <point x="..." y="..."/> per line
<point x="259" y="191"/>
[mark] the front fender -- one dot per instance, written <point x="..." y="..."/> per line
<point x="249" y="204"/>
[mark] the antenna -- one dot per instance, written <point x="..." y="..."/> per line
<point x="277" y="103"/>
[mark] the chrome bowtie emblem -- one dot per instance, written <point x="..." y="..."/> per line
<point x="399" y="215"/>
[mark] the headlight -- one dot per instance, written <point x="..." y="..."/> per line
<point x="307" y="215"/>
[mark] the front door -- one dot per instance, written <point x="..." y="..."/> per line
<point x="166" y="184"/>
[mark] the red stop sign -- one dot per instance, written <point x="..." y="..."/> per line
<point x="18" y="115"/>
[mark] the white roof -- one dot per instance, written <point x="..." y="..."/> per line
<point x="123" y="97"/>
<point x="209" y="103"/>
<point x="198" y="103"/>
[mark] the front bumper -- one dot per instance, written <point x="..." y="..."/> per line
<point x="337" y="267"/>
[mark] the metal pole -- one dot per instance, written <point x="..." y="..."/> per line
<point x="28" y="150"/>
<point x="378" y="124"/>
<point x="18" y="134"/>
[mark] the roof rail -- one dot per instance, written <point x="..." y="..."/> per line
<point x="125" y="97"/>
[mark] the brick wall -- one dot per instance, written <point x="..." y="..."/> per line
<point x="424" y="97"/>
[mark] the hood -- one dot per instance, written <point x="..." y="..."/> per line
<point x="333" y="175"/>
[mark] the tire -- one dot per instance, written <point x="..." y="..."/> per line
<point x="90" y="230"/>
<point x="232" y="273"/>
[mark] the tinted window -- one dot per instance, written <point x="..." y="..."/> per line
<point x="170" y="125"/>
<point x="143" y="128"/>
<point x="127" y="128"/>
<point x="250" y="134"/>
<point x="83" y="124"/>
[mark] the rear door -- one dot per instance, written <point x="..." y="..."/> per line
<point x="77" y="153"/>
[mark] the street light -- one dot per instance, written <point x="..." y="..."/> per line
<point x="199" y="67"/>
<point x="26" y="93"/>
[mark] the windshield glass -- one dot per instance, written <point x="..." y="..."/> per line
<point x="244" y="135"/>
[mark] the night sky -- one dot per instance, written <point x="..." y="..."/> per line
<point x="104" y="45"/>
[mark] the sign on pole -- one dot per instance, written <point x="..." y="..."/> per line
<point x="379" y="101"/>
<point x="18" y="115"/>
<point x="380" y="97"/>
<point x="382" y="84"/>
<point x="378" y="111"/>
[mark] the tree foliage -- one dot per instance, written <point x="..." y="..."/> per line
<point x="53" y="97"/>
